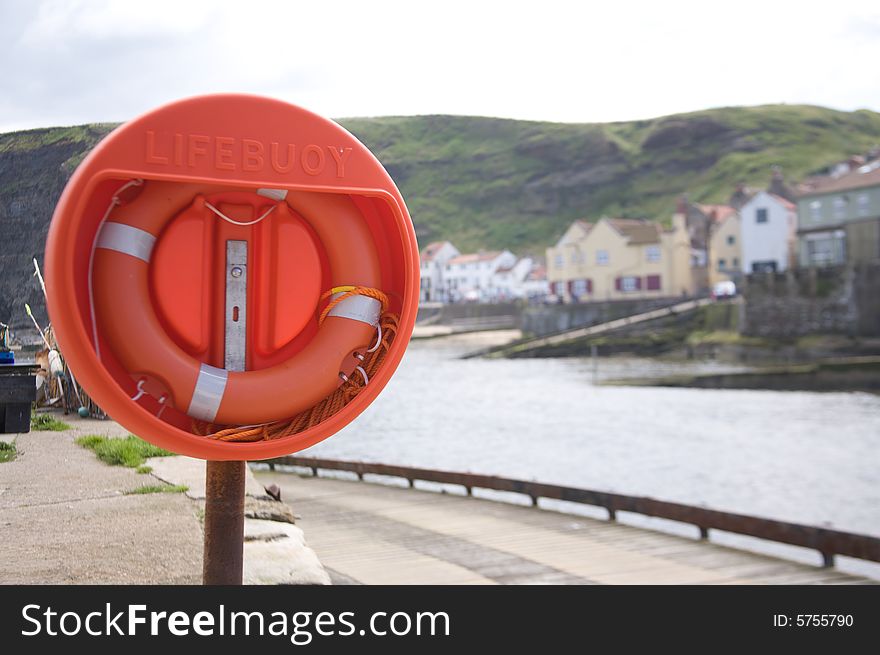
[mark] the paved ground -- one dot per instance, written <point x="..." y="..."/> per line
<point x="66" y="517"/>
<point x="375" y="534"/>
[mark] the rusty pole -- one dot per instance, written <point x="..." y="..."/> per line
<point x="224" y="481"/>
<point x="224" y="523"/>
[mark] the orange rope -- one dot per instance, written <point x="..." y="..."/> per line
<point x="343" y="395"/>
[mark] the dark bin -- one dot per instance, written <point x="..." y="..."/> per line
<point x="18" y="389"/>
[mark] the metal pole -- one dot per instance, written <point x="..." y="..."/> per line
<point x="224" y="481"/>
<point x="224" y="523"/>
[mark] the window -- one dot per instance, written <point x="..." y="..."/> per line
<point x="653" y="283"/>
<point x="629" y="283"/>
<point x="652" y="253"/>
<point x="722" y="264"/>
<point x="816" y="211"/>
<point x="864" y="204"/>
<point x="731" y="239"/>
<point x="579" y="287"/>
<point x="559" y="261"/>
<point x="761" y="215"/>
<point x="839" y="207"/>
<point x="825" y="248"/>
<point x="559" y="288"/>
<point x="602" y="258"/>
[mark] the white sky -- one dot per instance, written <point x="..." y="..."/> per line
<point x="67" y="61"/>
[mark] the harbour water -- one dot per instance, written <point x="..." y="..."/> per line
<point x="795" y="456"/>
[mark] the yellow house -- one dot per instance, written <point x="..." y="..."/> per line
<point x="725" y="248"/>
<point x="619" y="258"/>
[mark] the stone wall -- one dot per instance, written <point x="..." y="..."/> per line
<point x="539" y="320"/>
<point x="842" y="300"/>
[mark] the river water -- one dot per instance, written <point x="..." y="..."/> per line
<point x="796" y="456"/>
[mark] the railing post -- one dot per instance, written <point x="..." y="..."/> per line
<point x="704" y="532"/>
<point x="828" y="560"/>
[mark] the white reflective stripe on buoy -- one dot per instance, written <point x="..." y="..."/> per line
<point x="357" y="308"/>
<point x="274" y="194"/>
<point x="126" y="239"/>
<point x="208" y="393"/>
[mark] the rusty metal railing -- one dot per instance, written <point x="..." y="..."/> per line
<point x="828" y="542"/>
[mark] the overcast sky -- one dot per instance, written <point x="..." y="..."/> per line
<point x="68" y="62"/>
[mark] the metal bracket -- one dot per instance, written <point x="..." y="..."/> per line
<point x="236" y="306"/>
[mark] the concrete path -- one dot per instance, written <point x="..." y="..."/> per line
<point x="66" y="517"/>
<point x="376" y="534"/>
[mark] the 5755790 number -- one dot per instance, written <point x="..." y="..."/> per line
<point x="813" y="620"/>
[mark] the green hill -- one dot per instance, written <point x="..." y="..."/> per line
<point x="503" y="183"/>
<point x="493" y="183"/>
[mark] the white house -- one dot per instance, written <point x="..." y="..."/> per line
<point x="509" y="281"/>
<point x="535" y="286"/>
<point x="433" y="258"/>
<point x="471" y="276"/>
<point x="768" y="228"/>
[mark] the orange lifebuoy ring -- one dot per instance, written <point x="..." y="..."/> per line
<point x="136" y="248"/>
<point x="213" y="394"/>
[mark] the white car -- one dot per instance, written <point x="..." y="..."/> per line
<point x="726" y="289"/>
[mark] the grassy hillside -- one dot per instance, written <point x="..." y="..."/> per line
<point x="486" y="182"/>
<point x="494" y="183"/>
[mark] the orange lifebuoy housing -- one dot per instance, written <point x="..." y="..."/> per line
<point x="135" y="268"/>
<point x="208" y="393"/>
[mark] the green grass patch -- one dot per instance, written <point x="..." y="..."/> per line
<point x="159" y="489"/>
<point x="7" y="452"/>
<point x="47" y="422"/>
<point x="143" y="470"/>
<point x="130" y="451"/>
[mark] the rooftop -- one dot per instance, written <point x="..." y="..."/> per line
<point x="537" y="273"/>
<point x="717" y="213"/>
<point x="636" y="230"/>
<point x="430" y="251"/>
<point x="474" y="257"/>
<point x="858" y="178"/>
<point x="784" y="202"/>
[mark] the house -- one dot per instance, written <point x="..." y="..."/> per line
<point x="768" y="225"/>
<point x="433" y="258"/>
<point x="725" y="243"/>
<point x="471" y="276"/>
<point x="840" y="217"/>
<point x="564" y="259"/>
<point x="508" y="281"/>
<point x="620" y="258"/>
<point x="535" y="286"/>
<point x="740" y="196"/>
<point x="698" y="224"/>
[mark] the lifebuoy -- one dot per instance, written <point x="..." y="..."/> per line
<point x="129" y="322"/>
<point x="139" y="279"/>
